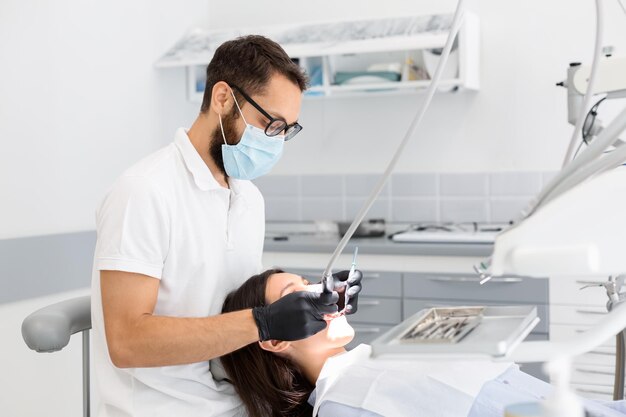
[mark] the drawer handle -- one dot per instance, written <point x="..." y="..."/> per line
<point x="599" y="352"/>
<point x="368" y="303"/>
<point x="589" y="282"/>
<point x="593" y="351"/>
<point x="371" y="275"/>
<point x="505" y="280"/>
<point x="367" y="329"/>
<point x="592" y="371"/>
<point x="593" y="391"/>
<point x="590" y="312"/>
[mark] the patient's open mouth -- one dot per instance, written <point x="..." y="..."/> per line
<point x="329" y="317"/>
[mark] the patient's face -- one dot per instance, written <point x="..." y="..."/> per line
<point x="338" y="332"/>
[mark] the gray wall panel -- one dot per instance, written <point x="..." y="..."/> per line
<point x="41" y="265"/>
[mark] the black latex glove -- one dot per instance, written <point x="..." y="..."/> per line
<point x="342" y="283"/>
<point x="295" y="316"/>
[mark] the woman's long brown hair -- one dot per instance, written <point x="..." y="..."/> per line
<point x="269" y="385"/>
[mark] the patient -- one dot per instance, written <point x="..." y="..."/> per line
<point x="277" y="378"/>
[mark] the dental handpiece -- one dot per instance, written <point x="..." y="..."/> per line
<point x="327" y="276"/>
<point x="353" y="267"/>
<point x="347" y="287"/>
<point x="350" y="275"/>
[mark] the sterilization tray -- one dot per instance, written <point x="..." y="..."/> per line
<point x="488" y="331"/>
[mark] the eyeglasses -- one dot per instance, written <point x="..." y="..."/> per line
<point x="275" y="125"/>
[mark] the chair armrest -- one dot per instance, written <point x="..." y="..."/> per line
<point x="49" y="329"/>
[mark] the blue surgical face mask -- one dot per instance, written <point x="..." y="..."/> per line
<point x="254" y="155"/>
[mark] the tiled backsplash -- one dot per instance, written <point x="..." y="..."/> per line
<point x="480" y="197"/>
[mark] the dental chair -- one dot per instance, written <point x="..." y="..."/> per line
<point x="49" y="330"/>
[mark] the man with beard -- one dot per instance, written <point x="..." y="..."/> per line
<point x="182" y="228"/>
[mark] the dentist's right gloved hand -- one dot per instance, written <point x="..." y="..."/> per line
<point x="295" y="316"/>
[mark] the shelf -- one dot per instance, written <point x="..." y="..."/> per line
<point x="396" y="43"/>
<point x="324" y="49"/>
<point x="417" y="84"/>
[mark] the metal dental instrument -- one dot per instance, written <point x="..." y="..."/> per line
<point x="345" y="295"/>
<point x="327" y="277"/>
<point x="350" y="275"/>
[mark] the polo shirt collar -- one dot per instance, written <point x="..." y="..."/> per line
<point x="201" y="173"/>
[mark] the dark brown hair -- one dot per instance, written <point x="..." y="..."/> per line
<point x="249" y="62"/>
<point x="269" y="385"/>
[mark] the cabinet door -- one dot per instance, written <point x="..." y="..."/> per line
<point x="568" y="291"/>
<point x="594" y="392"/>
<point x="378" y="310"/>
<point x="365" y="333"/>
<point x="593" y="374"/>
<point x="375" y="283"/>
<point x="582" y="315"/>
<point x="467" y="287"/>
<point x="382" y="284"/>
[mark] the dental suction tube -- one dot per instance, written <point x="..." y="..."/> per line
<point x="327" y="278"/>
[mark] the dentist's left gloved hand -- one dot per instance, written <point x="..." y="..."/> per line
<point x="295" y="316"/>
<point x="345" y="283"/>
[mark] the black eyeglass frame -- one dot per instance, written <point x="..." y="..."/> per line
<point x="285" y="127"/>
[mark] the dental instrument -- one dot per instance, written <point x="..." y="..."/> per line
<point x="453" y="333"/>
<point x="327" y="276"/>
<point x="351" y="275"/>
<point x="346" y="284"/>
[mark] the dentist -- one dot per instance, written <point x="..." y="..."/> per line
<point x="183" y="227"/>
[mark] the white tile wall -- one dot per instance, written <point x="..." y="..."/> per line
<point x="415" y="210"/>
<point x="321" y="208"/>
<point x="515" y="183"/>
<point x="464" y="210"/>
<point x="464" y="184"/>
<point x="414" y="185"/>
<point x="454" y="197"/>
<point x="362" y="185"/>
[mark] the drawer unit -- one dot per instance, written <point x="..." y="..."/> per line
<point x="582" y="315"/>
<point x="412" y="306"/>
<point x="375" y="283"/>
<point x="593" y="392"/>
<point x="382" y="284"/>
<point x="377" y="310"/>
<point x="365" y="333"/>
<point x="467" y="287"/>
<point x="604" y="356"/>
<point x="567" y="291"/>
<point x="562" y="332"/>
<point x="593" y="374"/>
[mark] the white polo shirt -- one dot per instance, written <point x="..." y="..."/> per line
<point x="167" y="217"/>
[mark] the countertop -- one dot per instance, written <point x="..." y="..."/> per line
<point x="326" y="243"/>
